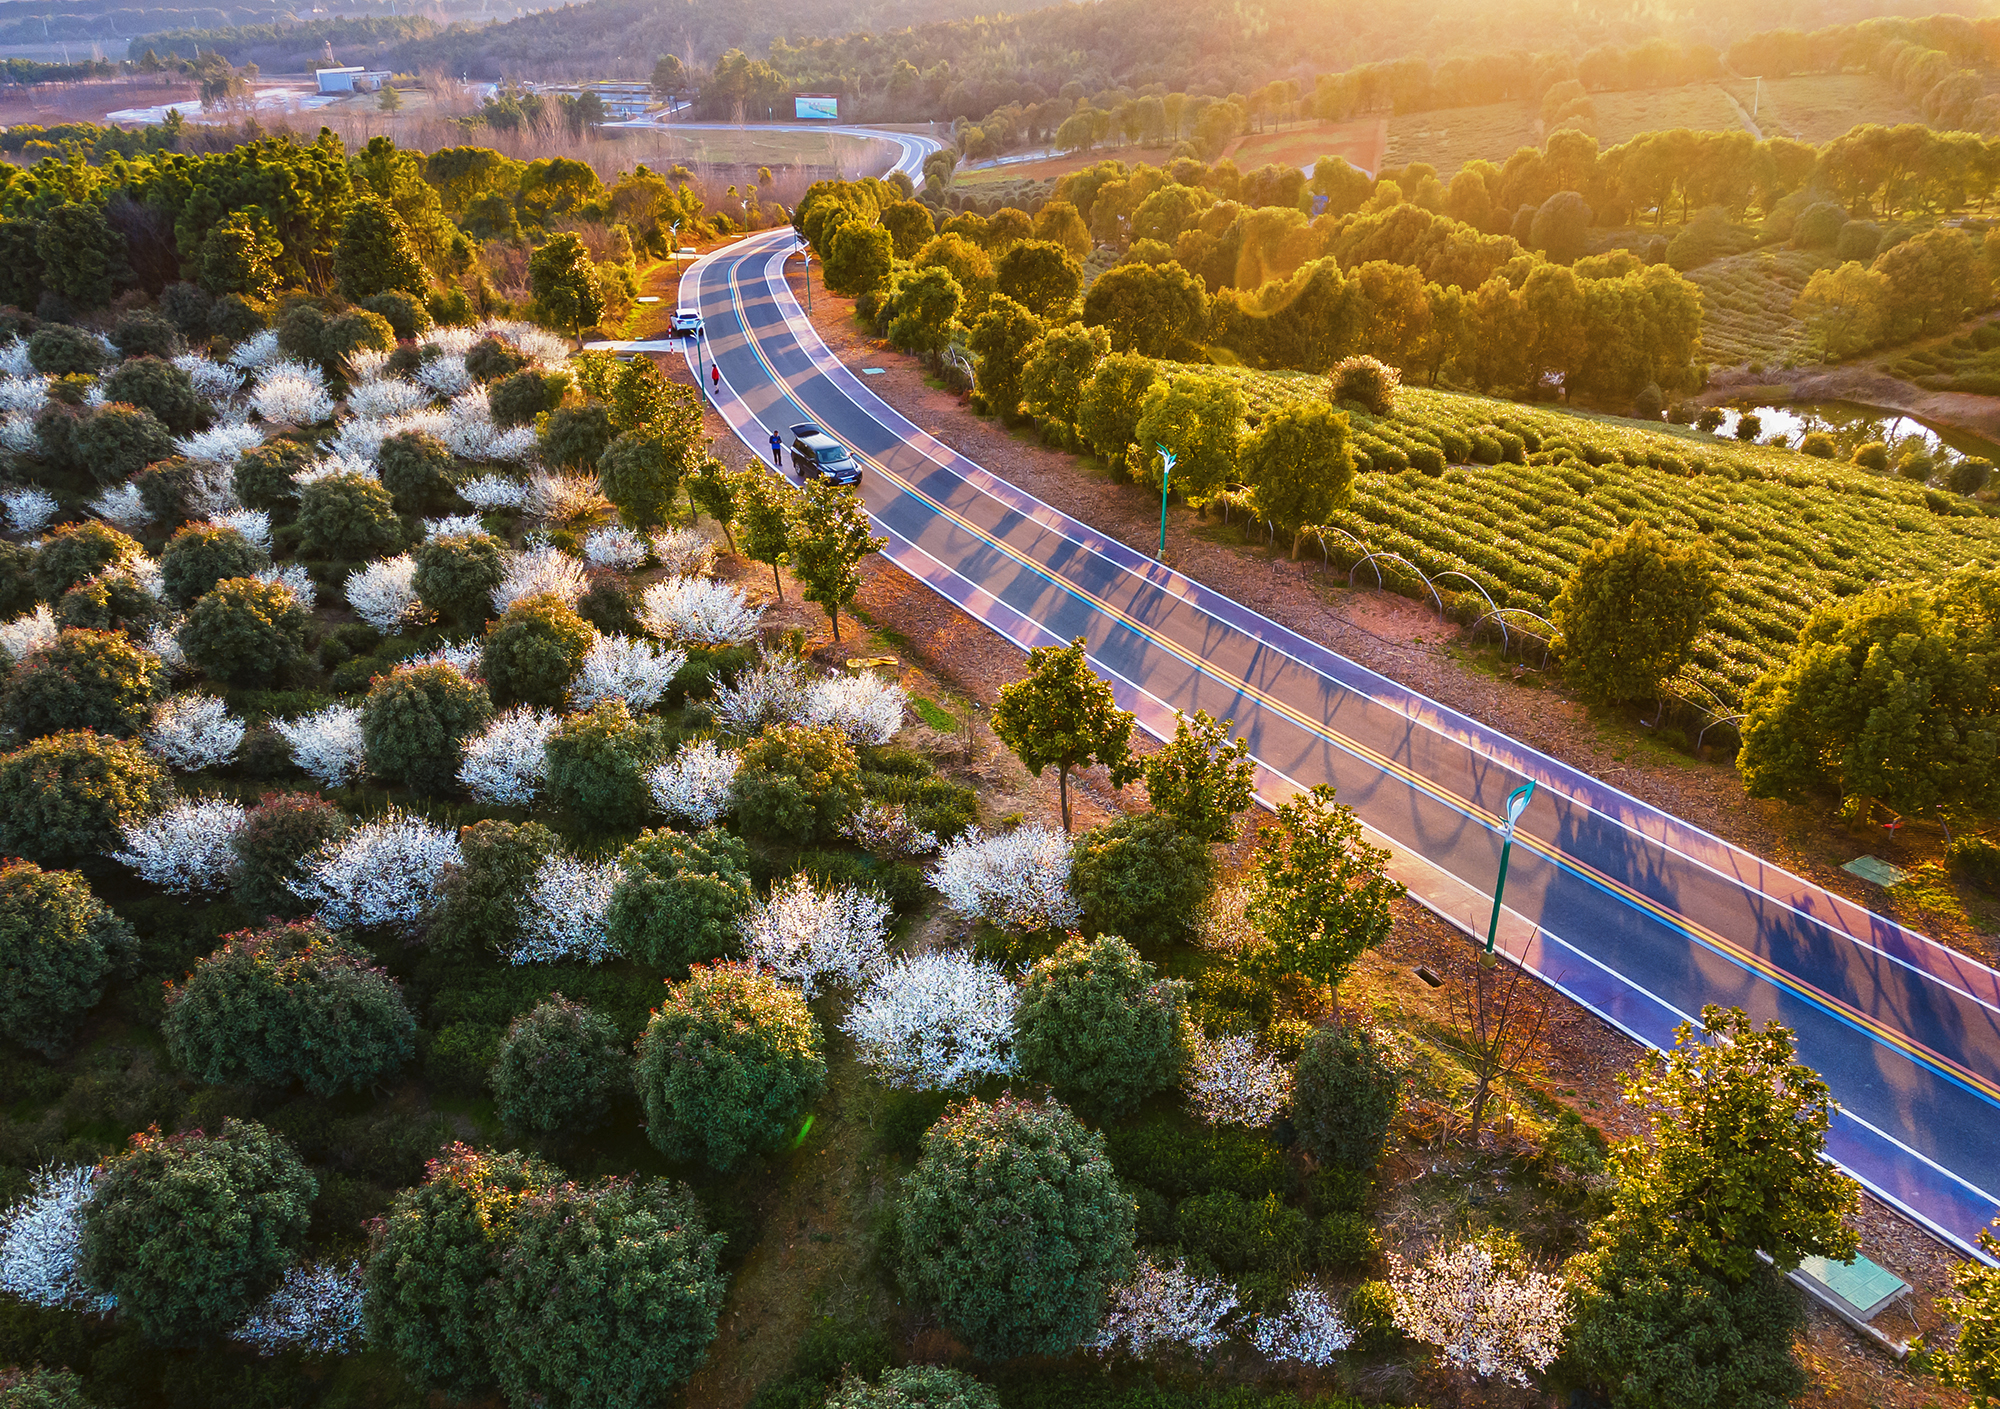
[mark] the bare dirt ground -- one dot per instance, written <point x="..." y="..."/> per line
<point x="48" y="103"/>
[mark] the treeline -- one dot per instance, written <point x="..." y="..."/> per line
<point x="288" y="47"/>
<point x="1936" y="61"/>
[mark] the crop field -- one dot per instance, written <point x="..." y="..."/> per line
<point x="1448" y="138"/>
<point x="1747" y="305"/>
<point x="1969" y="362"/>
<point x="1530" y="489"/>
<point x="1360" y="141"/>
<point x="1817" y="108"/>
<point x="1703" y="107"/>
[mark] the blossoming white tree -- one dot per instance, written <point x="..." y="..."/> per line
<point x="186" y="848"/>
<point x="1018" y="878"/>
<point x="192" y="731"/>
<point x="253" y="524"/>
<point x="1480" y="1316"/>
<point x="885" y="830"/>
<point x="163" y="639"/>
<point x="937" y="1021"/>
<point x="865" y="707"/>
<point x="337" y="462"/>
<point x="564" y="914"/>
<point x="557" y="498"/>
<point x="212" y="380"/>
<point x="41" y="1238"/>
<point x="623" y="668"/>
<point x="699" y="611"/>
<point x="1309" y="1330"/>
<point x="24" y="635"/>
<point x="694" y="786"/>
<point x="1165" y="1306"/>
<point x="453" y="526"/>
<point x="445" y="376"/>
<point x="285" y="396"/>
<point x="462" y="656"/>
<point x="219" y="445"/>
<point x="23" y="394"/>
<point x="539" y="572"/>
<point x="614" y="546"/>
<point x="121" y="506"/>
<point x="813" y="937"/>
<point x="490" y="491"/>
<point x="327" y="744"/>
<point x="507" y="762"/>
<point x="260" y="349"/>
<point x="683" y="552"/>
<point x="385" y="397"/>
<point x="773" y="691"/>
<point x="1231" y="1082"/>
<point x="317" y="1309"/>
<point x="29" y="509"/>
<point x="295" y="577"/>
<point x="384" y="872"/>
<point x="384" y="593"/>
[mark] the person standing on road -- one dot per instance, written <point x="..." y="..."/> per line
<point x="777" y="451"/>
<point x="714" y="380"/>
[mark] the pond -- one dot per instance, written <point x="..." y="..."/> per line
<point x="1851" y="425"/>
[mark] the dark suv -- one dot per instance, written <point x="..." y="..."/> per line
<point x="817" y="455"/>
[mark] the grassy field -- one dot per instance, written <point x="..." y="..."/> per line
<point x="1533" y="487"/>
<point x="1747" y="305"/>
<point x="1700" y="106"/>
<point x="1361" y="142"/>
<point x="1968" y="362"/>
<point x="1450" y="137"/>
<point x="1057" y="166"/>
<point x="1817" y="108"/>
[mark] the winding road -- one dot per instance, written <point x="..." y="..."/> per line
<point x="1632" y="912"/>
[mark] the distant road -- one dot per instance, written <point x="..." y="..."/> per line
<point x="911" y="147"/>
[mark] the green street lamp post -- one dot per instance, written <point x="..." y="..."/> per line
<point x="1166" y="475"/>
<point x="1517" y="803"/>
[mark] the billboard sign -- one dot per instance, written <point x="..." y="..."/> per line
<point x="816" y="107"/>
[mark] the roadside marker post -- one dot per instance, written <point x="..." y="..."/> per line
<point x="1517" y="803"/>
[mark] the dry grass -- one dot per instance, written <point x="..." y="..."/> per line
<point x="1817" y="108"/>
<point x="1360" y="141"/>
<point x="1048" y="167"/>
<point x="1703" y="107"/>
<point x="1448" y="138"/>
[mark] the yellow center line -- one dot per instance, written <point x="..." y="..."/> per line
<point x="1701" y="934"/>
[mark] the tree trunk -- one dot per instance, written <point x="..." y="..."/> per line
<point x="834" y="614"/>
<point x="1297" y="539"/>
<point x="778" y="582"/>
<point x="1062" y="787"/>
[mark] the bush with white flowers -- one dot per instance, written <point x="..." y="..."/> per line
<point x="23" y="394"/>
<point x="212" y="380"/>
<point x="186" y="848"/>
<point x="382" y="873"/>
<point x="935" y="1022"/>
<point x="558" y="498"/>
<point x="444" y="376"/>
<point x="885" y="830"/>
<point x="41" y="1239"/>
<point x="260" y="349"/>
<point x="683" y="552"/>
<point x="29" y="510"/>
<point x="563" y="918"/>
<point x="773" y="691"/>
<point x="507" y="763"/>
<point x="193" y="731"/>
<point x="317" y="1309"/>
<point x="284" y="396"/>
<point x="295" y="577"/>
<point x="328" y="744"/>
<point x="24" y="635"/>
<point x="1309" y="1330"/>
<point x="17" y="434"/>
<point x="14" y="358"/>
<point x="384" y="398"/>
<point x="1165" y="1306"/>
<point x="865" y="707"/>
<point x="1017" y="879"/>
<point x="384" y="593"/>
<point x="614" y="546"/>
<point x="219" y="445"/>
<point x="813" y="937"/>
<point x="694" y="786"/>
<point x="1230" y="1081"/>
<point x="253" y="524"/>
<point x="335" y="463"/>
<point x="489" y="492"/>
<point x="622" y="668"/>
<point x="453" y="526"/>
<point x="539" y="572"/>
<point x="462" y="656"/>
<point x="1480" y="1316"/>
<point x="699" y="611"/>
<point x="163" y="639"/>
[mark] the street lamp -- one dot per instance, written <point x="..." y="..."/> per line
<point x="806" y="254"/>
<point x="1517" y="803"/>
<point x="1167" y="459"/>
<point x="676" y="229"/>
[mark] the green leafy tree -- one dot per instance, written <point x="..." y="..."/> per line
<point x="415" y="722"/>
<point x="797" y="783"/>
<point x="641" y="474"/>
<point x="456" y="575"/>
<point x="560" y="1067"/>
<point x="188" y="1231"/>
<point x="1000" y="339"/>
<point x="1042" y="277"/>
<point x="678" y="898"/>
<point x="1107" y="413"/>
<point x="240" y="256"/>
<point x="1630" y="612"/>
<point x="1064" y="715"/>
<point x="245" y="632"/>
<point x="516" y="400"/>
<point x="83" y="257"/>
<point x="860" y="259"/>
<point x="76" y="552"/>
<point x="915" y="1387"/>
<point x="1202" y="779"/>
<point x="927" y="307"/>
<point x="576" y="436"/>
<point x="39" y="1388"/>
<point x="1015" y="1227"/>
<point x="712" y="490"/>
<point x="565" y="284"/>
<point x="433" y="1256"/>
<point x="1934" y="279"/>
<point x="966" y="262"/>
<point x="82" y="680"/>
<point x="480" y="907"/>
<point x="1299" y="466"/>
<point x="348" y="517"/>
<point x="262" y="475"/>
<point x="62" y="351"/>
<point x="1060" y="365"/>
<point x="1099" y="1025"/>
<point x="829" y="538"/>
<point x="1845" y="309"/>
<point x="1347" y="1089"/>
<point x="1141" y="876"/>
<point x="375" y="253"/>
<point x="1971" y="1363"/>
<point x="199" y="556"/>
<point x="155" y="385"/>
<point x="605" y="1296"/>
<point x="534" y="650"/>
<point x="1059" y="223"/>
<point x="728" y="1064"/>
<point x="71" y="795"/>
<point x="766" y="511"/>
<point x="58" y="945"/>
<point x="1319" y="897"/>
<point x="1155" y="310"/>
<point x="288" y="1003"/>
<point x="598" y="764"/>
<point x="909" y="224"/>
<point x="416" y="469"/>
<point x="1200" y="419"/>
<point x="116" y="442"/>
<point x="276" y="836"/>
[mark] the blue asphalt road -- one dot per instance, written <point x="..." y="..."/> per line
<point x="1642" y="917"/>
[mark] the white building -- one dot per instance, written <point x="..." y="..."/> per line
<point x="351" y="79"/>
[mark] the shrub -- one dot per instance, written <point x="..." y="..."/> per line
<point x="60" y="350"/>
<point x="263" y="474"/>
<point x="1141" y="876"/>
<point x="1872" y="456"/>
<point x="1975" y="858"/>
<point x="1818" y="226"/>
<point x="559" y="1068"/>
<point x="37" y="1388"/>
<point x="186" y="307"/>
<point x="357" y="330"/>
<point x="533" y="651"/>
<point x="480" y="908"/>
<point x="598" y="765"/>
<point x="679" y="898"/>
<point x="1097" y="1025"/>
<point x="1345" y="1095"/>
<point x="516" y="400"/>
<point x="1371" y="1311"/>
<point x="610" y="607"/>
<point x="188" y="1231"/>
<point x="489" y="359"/>
<point x="417" y="719"/>
<point x="1970" y="475"/>
<point x="1858" y="241"/>
<point x="406" y="317"/>
<point x="416" y="469"/>
<point x="1371" y="384"/>
<point x="115" y="442"/>
<point x="432" y="1257"/>
<point x="797" y="783"/>
<point x="456" y="575"/>
<point x="641" y="475"/>
<point x="93" y="680"/>
<point x="1015" y="1227"/>
<point x="76" y="552"/>
<point x="574" y="437"/>
<point x="348" y="516"/>
<point x="911" y="1386"/>
<point x="1178" y="1159"/>
<point x="201" y="555"/>
<point x="727" y="1065"/>
<point x="1244" y="1235"/>
<point x="1817" y="444"/>
<point x="69" y="795"/>
<point x="58" y="945"/>
<point x="116" y="601"/>
<point x="606" y="1297"/>
<point x="245" y="632"/>
<point x="142" y="334"/>
<point x="1345" y="1241"/>
<point x="162" y="389"/>
<point x="288" y="1003"/>
<point x="277" y="835"/>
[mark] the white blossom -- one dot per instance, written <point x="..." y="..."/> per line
<point x="41" y="1240"/>
<point x="683" y="552"/>
<point x="193" y="731"/>
<point x="219" y="445"/>
<point x="465" y="657"/>
<point x="295" y="577"/>
<point x="812" y="937"/>
<point x="539" y="572"/>
<point x="453" y="526"/>
<point x="384" y="593"/>
<point x="1309" y="1330"/>
<point x="1481" y="1317"/>
<point x="335" y="463"/>
<point x="366" y="364"/>
<point x="696" y="784"/>
<point x="317" y="1308"/>
<point x="539" y="345"/>
<point x="385" y="397"/>
<point x="445" y="375"/>
<point x="383" y="872"/>
<point x="211" y="379"/>
<point x="564" y="916"/>
<point x="17" y="433"/>
<point x="260" y="349"/>
<point x="555" y="498"/>
<point x="24" y="635"/>
<point x="614" y="546"/>
<point x="253" y="524"/>
<point x="29" y="509"/>
<point x="935" y="1022"/>
<point x="211" y="491"/>
<point x="507" y="762"/>
<point x="864" y="707"/>
<point x="285" y="398"/>
<point x="885" y="829"/>
<point x="143" y="569"/>
<point x="14" y="358"/>
<point x="773" y="691"/>
<point x="1165" y="1306"/>
<point x="1231" y="1082"/>
<point x="25" y="394"/>
<point x="455" y="339"/>
<point x="327" y="744"/>
<point x="491" y="492"/>
<point x="698" y="611"/>
<point x="513" y="445"/>
<point x="122" y="507"/>
<point x="185" y="848"/>
<point x="1018" y="878"/>
<point x="95" y="398"/>
<point x="360" y="440"/>
<point x="622" y="668"/>
<point x="163" y="639"/>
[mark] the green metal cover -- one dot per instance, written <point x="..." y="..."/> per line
<point x="1865" y="1285"/>
<point x="1871" y="868"/>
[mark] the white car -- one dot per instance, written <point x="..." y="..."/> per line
<point x="686" y="324"/>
